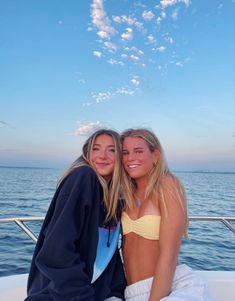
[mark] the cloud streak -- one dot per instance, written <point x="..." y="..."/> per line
<point x="104" y="96"/>
<point x="145" y="26"/>
<point x="101" y="20"/>
<point x="117" y="34"/>
<point x="87" y="129"/>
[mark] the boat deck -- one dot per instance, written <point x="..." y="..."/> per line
<point x="221" y="286"/>
<point x="221" y="283"/>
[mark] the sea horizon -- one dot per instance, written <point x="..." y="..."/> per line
<point x="173" y="170"/>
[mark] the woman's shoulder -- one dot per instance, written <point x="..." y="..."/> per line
<point x="169" y="179"/>
<point x="83" y="172"/>
<point x="80" y="177"/>
<point x="80" y="174"/>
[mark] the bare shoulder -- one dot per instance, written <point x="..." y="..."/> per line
<point x="169" y="181"/>
<point x="173" y="194"/>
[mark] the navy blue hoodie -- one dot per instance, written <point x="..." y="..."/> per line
<point x="67" y="260"/>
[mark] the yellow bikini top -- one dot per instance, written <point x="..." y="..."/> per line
<point x="147" y="226"/>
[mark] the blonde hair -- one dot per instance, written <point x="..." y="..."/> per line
<point x="111" y="190"/>
<point x="156" y="186"/>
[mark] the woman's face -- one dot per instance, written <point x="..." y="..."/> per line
<point x="103" y="155"/>
<point x="137" y="158"/>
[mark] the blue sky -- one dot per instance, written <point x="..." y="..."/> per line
<point x="69" y="67"/>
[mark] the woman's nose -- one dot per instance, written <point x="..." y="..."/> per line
<point x="103" y="154"/>
<point x="130" y="157"/>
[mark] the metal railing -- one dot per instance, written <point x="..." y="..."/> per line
<point x="226" y="220"/>
<point x="20" y="222"/>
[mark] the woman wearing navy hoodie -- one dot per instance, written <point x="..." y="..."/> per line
<point x="76" y="257"/>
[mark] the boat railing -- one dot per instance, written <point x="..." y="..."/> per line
<point x="20" y="222"/>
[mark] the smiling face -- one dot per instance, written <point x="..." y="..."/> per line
<point x="138" y="160"/>
<point x="103" y="155"/>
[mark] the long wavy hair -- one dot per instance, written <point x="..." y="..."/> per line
<point x="111" y="190"/>
<point x="156" y="187"/>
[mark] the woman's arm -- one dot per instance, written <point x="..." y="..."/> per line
<point x="171" y="231"/>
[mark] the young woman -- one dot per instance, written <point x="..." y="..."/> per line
<point x="154" y="221"/>
<point x="76" y="256"/>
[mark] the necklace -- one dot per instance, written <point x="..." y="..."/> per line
<point x="138" y="203"/>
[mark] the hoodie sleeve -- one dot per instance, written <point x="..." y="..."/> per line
<point x="60" y="272"/>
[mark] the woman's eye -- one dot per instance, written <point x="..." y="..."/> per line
<point x="112" y="150"/>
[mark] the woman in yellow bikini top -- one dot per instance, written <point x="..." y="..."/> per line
<point x="147" y="226"/>
<point x="154" y="220"/>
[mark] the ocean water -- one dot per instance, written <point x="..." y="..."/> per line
<point x="28" y="192"/>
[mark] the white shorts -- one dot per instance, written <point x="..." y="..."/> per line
<point x="186" y="286"/>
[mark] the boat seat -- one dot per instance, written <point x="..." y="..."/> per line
<point x="221" y="284"/>
<point x="13" y="288"/>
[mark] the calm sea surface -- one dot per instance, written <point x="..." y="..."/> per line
<point x="28" y="192"/>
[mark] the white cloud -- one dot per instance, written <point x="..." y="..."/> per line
<point x="134" y="58"/>
<point x="115" y="62"/>
<point x="148" y="15"/>
<point x="101" y="20"/>
<point x="125" y="91"/>
<point x="186" y="2"/>
<point x="87" y="129"/>
<point x="169" y="39"/>
<point x="140" y="26"/>
<point x="128" y="35"/>
<point x="179" y="64"/>
<point x="165" y="3"/>
<point x="134" y="49"/>
<point x="151" y="39"/>
<point x="136" y="81"/>
<point x="115" y="31"/>
<point x="102" y="96"/>
<point x="97" y="53"/>
<point x="161" y="48"/>
<point x="134" y="54"/>
<point x="124" y="19"/>
<point x="103" y="34"/>
<point x="111" y="46"/>
<point x="159" y="19"/>
<point x="124" y="56"/>
<point x="140" y="52"/>
<point x="117" y="19"/>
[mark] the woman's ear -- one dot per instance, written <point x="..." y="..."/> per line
<point x="156" y="155"/>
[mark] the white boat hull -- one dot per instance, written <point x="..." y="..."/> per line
<point x="13" y="288"/>
<point x="221" y="286"/>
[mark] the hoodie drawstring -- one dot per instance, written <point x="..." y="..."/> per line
<point x="108" y="240"/>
